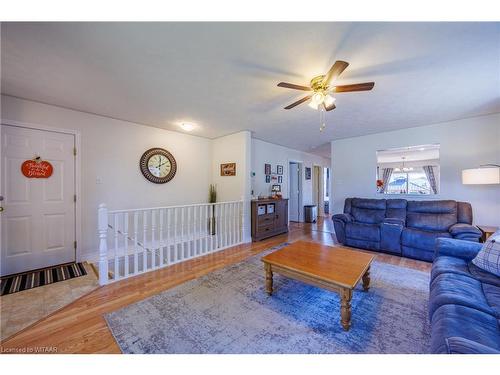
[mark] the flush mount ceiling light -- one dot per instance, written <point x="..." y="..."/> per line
<point x="187" y="126"/>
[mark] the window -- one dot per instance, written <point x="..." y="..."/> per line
<point x="413" y="170"/>
<point x="414" y="182"/>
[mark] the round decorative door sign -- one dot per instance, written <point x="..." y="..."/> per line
<point x="37" y="168"/>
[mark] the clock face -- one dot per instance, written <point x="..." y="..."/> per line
<point x="158" y="165"/>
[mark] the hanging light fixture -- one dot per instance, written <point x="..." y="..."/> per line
<point x="403" y="168"/>
<point x="317" y="99"/>
<point x="329" y="100"/>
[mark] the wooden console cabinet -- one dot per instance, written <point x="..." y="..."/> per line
<point x="269" y="218"/>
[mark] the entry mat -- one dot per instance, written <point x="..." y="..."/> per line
<point x="32" y="279"/>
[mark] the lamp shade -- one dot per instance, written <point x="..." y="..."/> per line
<point x="481" y="176"/>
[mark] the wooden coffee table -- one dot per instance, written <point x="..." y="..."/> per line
<point x="333" y="268"/>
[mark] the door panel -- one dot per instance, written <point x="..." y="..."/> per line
<point x="38" y="221"/>
<point x="294" y="192"/>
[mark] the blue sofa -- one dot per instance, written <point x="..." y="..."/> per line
<point x="464" y="301"/>
<point x="401" y="227"/>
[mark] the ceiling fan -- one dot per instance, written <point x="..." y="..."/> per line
<point x="321" y="89"/>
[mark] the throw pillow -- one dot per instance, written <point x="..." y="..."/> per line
<point x="488" y="257"/>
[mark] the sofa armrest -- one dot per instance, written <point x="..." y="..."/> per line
<point x="463" y="231"/>
<point x="339" y="222"/>
<point x="460" y="345"/>
<point x="345" y="218"/>
<point x="466" y="250"/>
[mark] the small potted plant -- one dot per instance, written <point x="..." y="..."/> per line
<point x="380" y="186"/>
<point x="212" y="198"/>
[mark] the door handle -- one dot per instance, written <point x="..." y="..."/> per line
<point x="1" y="209"/>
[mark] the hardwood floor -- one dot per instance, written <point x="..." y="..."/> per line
<point x="81" y="328"/>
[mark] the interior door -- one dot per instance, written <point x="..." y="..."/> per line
<point x="38" y="217"/>
<point x="294" y="191"/>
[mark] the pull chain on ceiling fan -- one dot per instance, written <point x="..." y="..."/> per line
<point x="321" y="97"/>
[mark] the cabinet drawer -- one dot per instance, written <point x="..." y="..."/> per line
<point x="265" y="228"/>
<point x="265" y="220"/>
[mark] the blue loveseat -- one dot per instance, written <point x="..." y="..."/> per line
<point x="464" y="301"/>
<point x="401" y="227"/>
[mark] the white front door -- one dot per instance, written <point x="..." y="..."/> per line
<point x="38" y="217"/>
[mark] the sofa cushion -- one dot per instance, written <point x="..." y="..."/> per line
<point x="421" y="239"/>
<point x="368" y="211"/>
<point x="362" y="244"/>
<point x="464" y="212"/>
<point x="488" y="257"/>
<point x="360" y="231"/>
<point x="461" y="321"/>
<point x="492" y="295"/>
<point x="371" y="204"/>
<point x="459" y="345"/>
<point x="483" y="276"/>
<point x="436" y="216"/>
<point x="396" y="208"/>
<point x="452" y="288"/>
<point x="447" y="264"/>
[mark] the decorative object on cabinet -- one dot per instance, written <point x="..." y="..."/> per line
<point x="308" y="173"/>
<point x="158" y="165"/>
<point x="269" y="218"/>
<point x="228" y="169"/>
<point x="267" y="169"/>
<point x="279" y="169"/>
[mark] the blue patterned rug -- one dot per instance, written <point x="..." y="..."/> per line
<point x="228" y="311"/>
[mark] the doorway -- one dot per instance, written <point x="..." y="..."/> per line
<point x="38" y="214"/>
<point x="295" y="191"/>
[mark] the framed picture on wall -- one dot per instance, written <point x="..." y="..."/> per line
<point x="228" y="169"/>
<point x="308" y="173"/>
<point x="280" y="179"/>
<point x="276" y="188"/>
<point x="268" y="178"/>
<point x="279" y="169"/>
<point x="267" y="169"/>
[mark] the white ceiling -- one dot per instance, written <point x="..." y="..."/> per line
<point x="223" y="76"/>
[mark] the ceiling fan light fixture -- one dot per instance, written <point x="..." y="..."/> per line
<point x="329" y="100"/>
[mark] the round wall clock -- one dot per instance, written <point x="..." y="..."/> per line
<point x="158" y="165"/>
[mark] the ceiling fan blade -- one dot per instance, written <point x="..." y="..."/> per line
<point x="355" y="87"/>
<point x="337" y="68"/>
<point x="330" y="107"/>
<point x="304" y="99"/>
<point x="293" y="86"/>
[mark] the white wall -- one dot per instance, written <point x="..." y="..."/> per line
<point x="234" y="148"/>
<point x="465" y="143"/>
<point x="110" y="150"/>
<point x="269" y="153"/>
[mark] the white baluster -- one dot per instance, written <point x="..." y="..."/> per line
<point x="188" y="234"/>
<point x="217" y="226"/>
<point x="207" y="236"/>
<point x="136" y="245"/>
<point x="153" y="239"/>
<point x="117" y="260"/>
<point x="176" y="235"/>
<point x="168" y="235"/>
<point x="196" y="219"/>
<point x="162" y="259"/>
<point x="102" y="220"/>
<point x="144" y="238"/>
<point x="125" y="245"/>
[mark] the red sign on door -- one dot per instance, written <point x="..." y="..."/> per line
<point x="37" y="169"/>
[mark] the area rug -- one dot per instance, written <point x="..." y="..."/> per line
<point x="228" y="311"/>
<point x="28" y="280"/>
